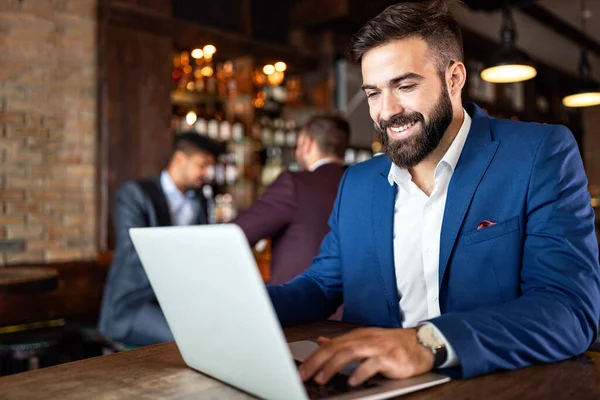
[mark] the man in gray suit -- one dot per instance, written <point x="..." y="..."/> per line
<point x="130" y="313"/>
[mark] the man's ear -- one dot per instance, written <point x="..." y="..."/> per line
<point x="308" y="143"/>
<point x="457" y="77"/>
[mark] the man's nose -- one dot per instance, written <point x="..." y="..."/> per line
<point x="391" y="106"/>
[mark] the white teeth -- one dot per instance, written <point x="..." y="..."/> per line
<point x="402" y="128"/>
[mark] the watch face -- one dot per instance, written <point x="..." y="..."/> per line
<point x="426" y="335"/>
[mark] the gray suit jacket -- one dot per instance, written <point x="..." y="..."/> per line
<point x="130" y="312"/>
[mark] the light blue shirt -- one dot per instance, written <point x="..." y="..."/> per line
<point x="184" y="208"/>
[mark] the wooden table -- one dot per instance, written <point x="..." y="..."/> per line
<point x="158" y="372"/>
<point x="19" y="280"/>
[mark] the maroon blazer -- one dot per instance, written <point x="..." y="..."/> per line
<point x="293" y="211"/>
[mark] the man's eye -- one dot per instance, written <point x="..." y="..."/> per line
<point x="407" y="87"/>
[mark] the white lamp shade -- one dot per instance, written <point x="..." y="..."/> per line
<point x="508" y="73"/>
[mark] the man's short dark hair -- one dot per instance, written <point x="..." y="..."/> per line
<point x="191" y="142"/>
<point x="330" y="132"/>
<point x="431" y="21"/>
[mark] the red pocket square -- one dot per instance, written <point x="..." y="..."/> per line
<point x="484" y="224"/>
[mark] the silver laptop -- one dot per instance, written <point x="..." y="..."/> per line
<point x="208" y="285"/>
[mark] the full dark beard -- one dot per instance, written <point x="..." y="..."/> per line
<point x="407" y="153"/>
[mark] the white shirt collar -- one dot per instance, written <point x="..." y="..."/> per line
<point x="321" y="162"/>
<point x="401" y="175"/>
<point x="170" y="189"/>
<point x="167" y="183"/>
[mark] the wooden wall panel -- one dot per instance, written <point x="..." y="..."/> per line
<point x="135" y="137"/>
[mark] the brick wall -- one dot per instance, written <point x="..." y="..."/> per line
<point x="48" y="130"/>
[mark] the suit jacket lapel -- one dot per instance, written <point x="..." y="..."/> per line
<point x="383" y="230"/>
<point x="477" y="153"/>
<point x="161" y="208"/>
<point x="202" y="217"/>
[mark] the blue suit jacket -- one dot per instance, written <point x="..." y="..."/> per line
<point x="522" y="291"/>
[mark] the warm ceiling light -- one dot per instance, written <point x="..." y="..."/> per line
<point x="268" y="69"/>
<point x="206" y="71"/>
<point x="508" y="64"/>
<point x="275" y="78"/>
<point x="190" y="118"/>
<point x="209" y="49"/>
<point x="197" y="53"/>
<point x="508" y="73"/>
<point x="280" y="66"/>
<point x="582" y="100"/>
<point x="588" y="92"/>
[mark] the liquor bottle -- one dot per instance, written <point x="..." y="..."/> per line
<point x="208" y="193"/>
<point x="210" y="78"/>
<point x="291" y="135"/>
<point x="201" y="125"/>
<point x="213" y="125"/>
<point x="231" y="169"/>
<point x="279" y="133"/>
<point x="220" y="170"/>
<point x="273" y="166"/>
<point x="237" y="131"/>
<point x="228" y="211"/>
<point x="266" y="132"/>
<point x="225" y="131"/>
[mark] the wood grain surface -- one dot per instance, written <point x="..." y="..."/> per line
<point x="158" y="372"/>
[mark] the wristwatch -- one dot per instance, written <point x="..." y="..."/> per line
<point x="427" y="337"/>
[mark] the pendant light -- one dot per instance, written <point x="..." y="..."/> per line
<point x="508" y="64"/>
<point x="588" y="93"/>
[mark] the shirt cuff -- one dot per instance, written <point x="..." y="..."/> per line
<point x="452" y="360"/>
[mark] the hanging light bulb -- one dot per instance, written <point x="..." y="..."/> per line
<point x="280" y="66"/>
<point x="588" y="93"/>
<point x="209" y="49"/>
<point x="509" y="64"/>
<point x="197" y="53"/>
<point x="268" y="69"/>
<point x="190" y="118"/>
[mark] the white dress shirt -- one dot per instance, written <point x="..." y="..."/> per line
<point x="184" y="209"/>
<point x="417" y="228"/>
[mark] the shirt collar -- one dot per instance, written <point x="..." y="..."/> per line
<point x="453" y="154"/>
<point x="402" y="176"/>
<point x="170" y="189"/>
<point x="321" y="162"/>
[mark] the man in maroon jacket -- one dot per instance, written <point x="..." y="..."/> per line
<point x="294" y="210"/>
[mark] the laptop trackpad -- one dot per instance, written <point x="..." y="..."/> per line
<point x="303" y="348"/>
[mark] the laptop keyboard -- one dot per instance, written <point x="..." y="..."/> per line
<point x="337" y="385"/>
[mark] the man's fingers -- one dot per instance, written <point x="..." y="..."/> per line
<point x="355" y="342"/>
<point x="322" y="340"/>
<point x="313" y="363"/>
<point x="398" y="367"/>
<point x="333" y="365"/>
<point x="366" y="370"/>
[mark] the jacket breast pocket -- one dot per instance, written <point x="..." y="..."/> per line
<point x="491" y="232"/>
